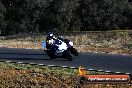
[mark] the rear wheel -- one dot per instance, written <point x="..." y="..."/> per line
<point x="51" y="54"/>
<point x="67" y="55"/>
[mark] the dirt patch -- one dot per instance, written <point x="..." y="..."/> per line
<point x="110" y="50"/>
<point x="80" y="48"/>
<point x="113" y="42"/>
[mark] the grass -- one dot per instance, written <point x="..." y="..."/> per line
<point x="33" y="75"/>
<point x="114" y="42"/>
<point x="13" y="75"/>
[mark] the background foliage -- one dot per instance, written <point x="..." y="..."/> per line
<point x="34" y="16"/>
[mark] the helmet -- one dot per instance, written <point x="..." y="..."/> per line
<point x="50" y="34"/>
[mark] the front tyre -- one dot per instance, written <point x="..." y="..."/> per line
<point x="74" y="51"/>
<point x="67" y="55"/>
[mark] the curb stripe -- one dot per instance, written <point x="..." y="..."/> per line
<point x="65" y="67"/>
<point x="8" y="61"/>
<point x="20" y="62"/>
<point x="41" y="64"/>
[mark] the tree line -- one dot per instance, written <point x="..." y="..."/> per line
<point x="36" y="16"/>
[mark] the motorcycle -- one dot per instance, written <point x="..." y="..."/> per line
<point x="59" y="49"/>
<point x="71" y="49"/>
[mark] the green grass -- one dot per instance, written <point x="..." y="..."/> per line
<point x="42" y="69"/>
<point x="36" y="68"/>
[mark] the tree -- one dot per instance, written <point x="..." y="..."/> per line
<point x="2" y="18"/>
<point x="26" y="16"/>
<point x="103" y="14"/>
<point x="60" y="16"/>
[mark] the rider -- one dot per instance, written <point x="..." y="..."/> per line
<point x="50" y="40"/>
<point x="50" y="45"/>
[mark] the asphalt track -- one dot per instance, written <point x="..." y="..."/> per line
<point x="89" y="60"/>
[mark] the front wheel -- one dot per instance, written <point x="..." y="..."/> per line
<point x="67" y="55"/>
<point x="74" y="51"/>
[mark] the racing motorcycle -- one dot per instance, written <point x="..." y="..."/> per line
<point x="59" y="49"/>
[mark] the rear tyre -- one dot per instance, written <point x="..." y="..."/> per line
<point x="51" y="54"/>
<point x="67" y="55"/>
